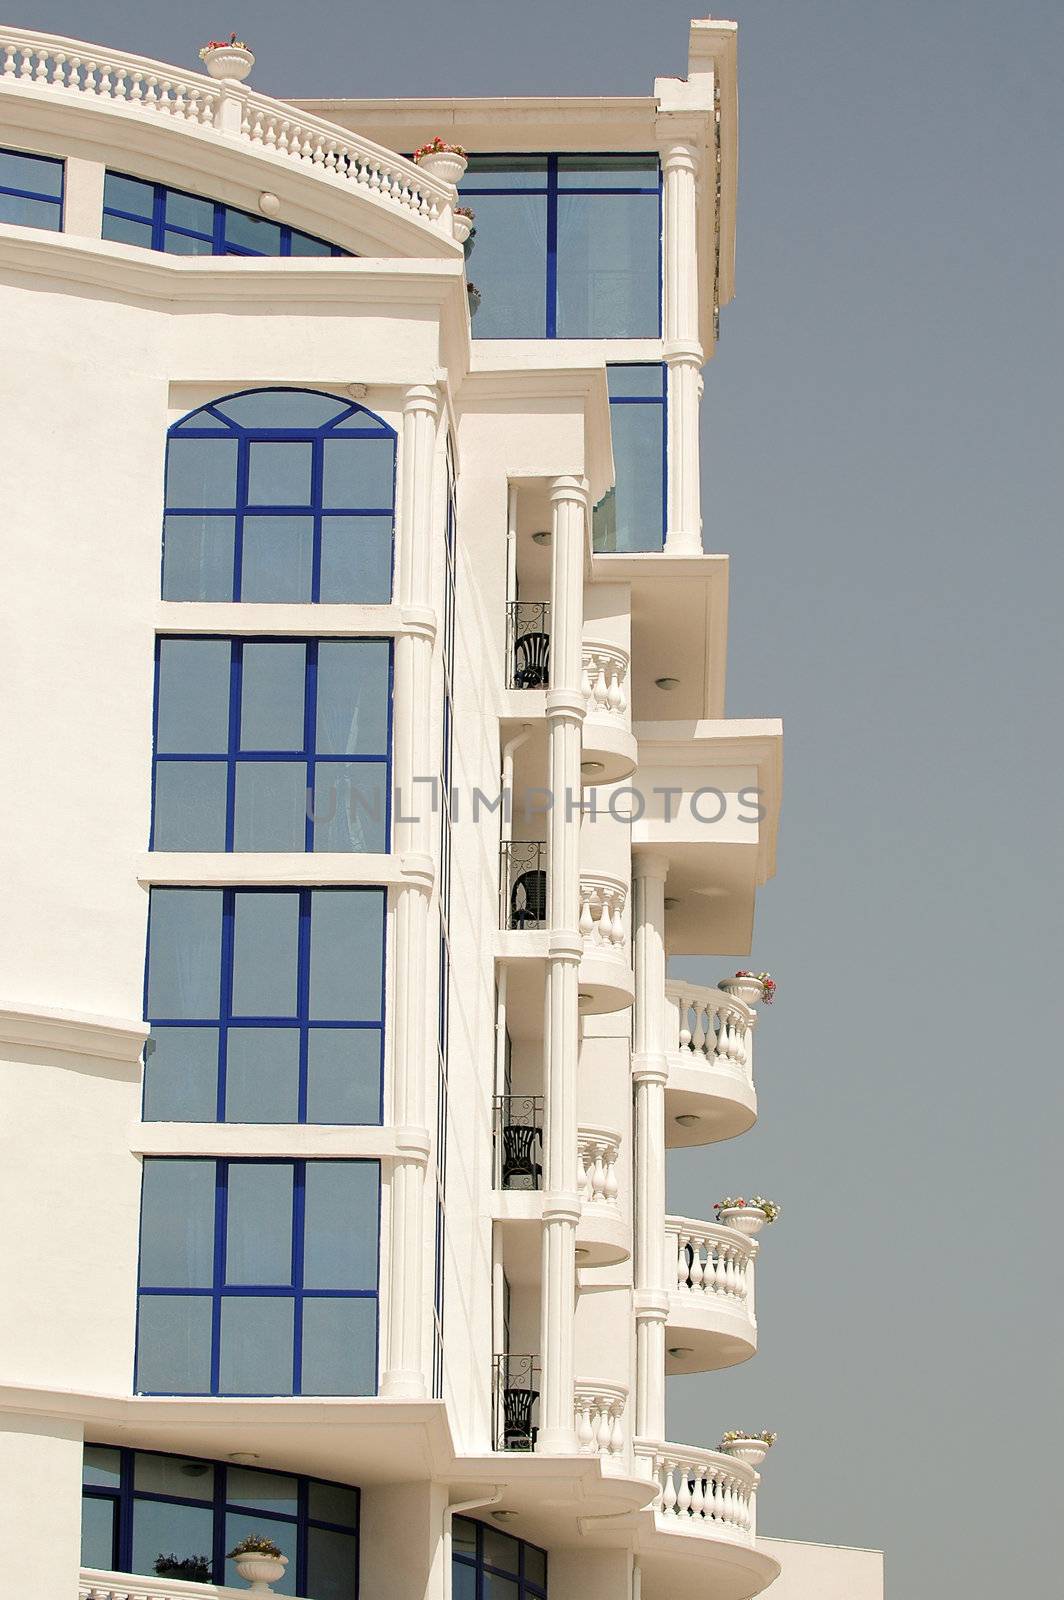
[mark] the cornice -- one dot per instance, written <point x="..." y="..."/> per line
<point x="76" y="1033"/>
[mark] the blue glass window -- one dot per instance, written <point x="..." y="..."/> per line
<point x="179" y="1516"/>
<point x="631" y="516"/>
<point x="31" y="190"/>
<point x="160" y="218"/>
<point x="272" y="744"/>
<point x="258" y="1277"/>
<point x="266" y="1005"/>
<point x="567" y="246"/>
<point x="279" y="494"/>
<point x="487" y="1564"/>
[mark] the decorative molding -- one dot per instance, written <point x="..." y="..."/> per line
<point x="76" y="1033"/>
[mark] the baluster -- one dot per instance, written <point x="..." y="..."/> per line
<point x="598" y="1173"/>
<point x="703" y="1028"/>
<point x="40" y="74"/>
<point x="668" y="1486"/>
<point x="616" y="1431"/>
<point x="611" y="1186"/>
<point x="684" y="1036"/>
<point x="698" y="1497"/>
<point x="584" y="1433"/>
<point x="26" y="66"/>
<point x="586" y="922"/>
<point x="9" y="61"/>
<point x="604" y="1426"/>
<point x="58" y="64"/>
<point x="683" y="1491"/>
<point x="714" y="1506"/>
<point x="618" y="919"/>
<point x="682" y="1268"/>
<point x="103" y="86"/>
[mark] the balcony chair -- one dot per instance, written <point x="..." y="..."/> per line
<point x="518" y="1155"/>
<point x="528" y="899"/>
<point x="517" y="1430"/>
<point x="532" y="661"/>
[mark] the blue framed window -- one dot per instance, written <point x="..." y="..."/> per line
<point x="487" y="1564"/>
<point x="567" y="246"/>
<point x="272" y="744"/>
<point x="279" y="494"/>
<point x="31" y="190"/>
<point x="161" y="218"/>
<point x="258" y="1277"/>
<point x="631" y="516"/>
<point x="167" y="1516"/>
<point x="266" y="1005"/>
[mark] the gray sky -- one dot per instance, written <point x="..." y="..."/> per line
<point x="881" y="427"/>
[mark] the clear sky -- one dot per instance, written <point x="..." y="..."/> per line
<point x="882" y="459"/>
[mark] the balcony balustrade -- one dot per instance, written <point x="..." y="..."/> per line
<point x="523" y="884"/>
<point x="528" y="644"/>
<point x="711" y="1320"/>
<point x="599" y="1414"/>
<point x="96" y="1585"/>
<point x="598" y="1151"/>
<point x="515" y="1402"/>
<point x="709" y="1039"/>
<point x="609" y="751"/>
<point x="112" y="81"/>
<point x="701" y="1491"/>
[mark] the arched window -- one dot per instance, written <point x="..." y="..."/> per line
<point x="279" y="494"/>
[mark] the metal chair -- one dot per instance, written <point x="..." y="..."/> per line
<point x="518" y="1154"/>
<point x="528" y="899"/>
<point x="517" y="1430"/>
<point x="532" y="661"/>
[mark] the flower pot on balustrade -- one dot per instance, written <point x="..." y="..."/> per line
<point x="463" y="227"/>
<point x="447" y="165"/>
<point x="752" y="1451"/>
<point x="744" y="1219"/>
<point x="259" y="1570"/>
<point x="229" y="61"/>
<point x="751" y="991"/>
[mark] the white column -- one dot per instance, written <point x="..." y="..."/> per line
<point x="561" y="1204"/>
<point x="649" y="1069"/>
<point x="404" y="1363"/>
<point x="683" y="352"/>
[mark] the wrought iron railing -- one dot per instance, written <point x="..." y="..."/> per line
<point x="515" y="1396"/>
<point x="528" y="644"/>
<point x="518" y="1141"/>
<point x="523" y="884"/>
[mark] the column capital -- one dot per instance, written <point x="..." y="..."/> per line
<point x="569" y="703"/>
<point x="680" y="138"/>
<point x="418" y="869"/>
<point x="650" y="1069"/>
<point x="565" y="944"/>
<point x="421" y="397"/>
<point x="562" y="1208"/>
<point x="684" y="352"/>
<point x="569" y="488"/>
<point x="645" y="864"/>
<point x="651" y="1305"/>
<point x="419" y="621"/>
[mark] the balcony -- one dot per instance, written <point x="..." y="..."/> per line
<point x="606" y="980"/>
<point x="602" y="1234"/>
<point x="710" y="1090"/>
<point x="701" y="1493"/>
<point x="515" y="1402"/>
<point x="711" y="1321"/>
<point x="599" y="1418"/>
<point x="609" y="751"/>
<point x="95" y="1585"/>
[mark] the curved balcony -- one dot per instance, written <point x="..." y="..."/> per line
<point x="136" y="91"/>
<point x="602" y="1235"/>
<point x="609" y="750"/>
<point x="711" y="1321"/>
<point x="710" y="1090"/>
<point x="701" y="1492"/>
<point x="599" y="1418"/>
<point x="606" y="980"/>
<point x="94" y="1585"/>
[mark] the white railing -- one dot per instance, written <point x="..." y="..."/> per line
<point x="70" y="68"/>
<point x="701" y="1489"/>
<point x="598" y="1413"/>
<point x="598" y="1150"/>
<point x="96" y="1585"/>
<point x="709" y="1027"/>
<point x="601" y="920"/>
<point x="605" y="682"/>
<point x="710" y="1260"/>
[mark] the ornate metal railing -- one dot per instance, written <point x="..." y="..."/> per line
<point x="518" y="1135"/>
<point x="515" y="1402"/>
<point x="528" y="644"/>
<point x="523" y="884"/>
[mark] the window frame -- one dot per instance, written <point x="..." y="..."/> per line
<point x="527" y="1588"/>
<point x="296" y="1293"/>
<point x="222" y="427"/>
<point x="59" y="201"/>
<point x="219" y="244"/>
<point x="234" y="757"/>
<point x="224" y="1022"/>
<point x="552" y="188"/>
<point x="662" y="400"/>
<point x="124" y="1498"/>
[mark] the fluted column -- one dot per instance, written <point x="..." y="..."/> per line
<point x="561" y="1205"/>
<point x="683" y="351"/>
<point x="404" y="1364"/>
<point x="650" y="1071"/>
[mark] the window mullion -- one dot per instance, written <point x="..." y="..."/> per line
<point x="552" y="247"/>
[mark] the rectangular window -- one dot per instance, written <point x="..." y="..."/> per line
<point x="266" y="1005"/>
<point x="178" y="1517"/>
<point x="272" y="744"/>
<point x="631" y="516"/>
<point x="31" y="190"/>
<point x="567" y="246"/>
<point x="268" y="1283"/>
<point x="159" y="218"/>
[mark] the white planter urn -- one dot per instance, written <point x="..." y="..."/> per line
<point x="751" y="991"/>
<point x="443" y="164"/>
<point x="259" y="1571"/>
<point x="463" y="226"/>
<point x="752" y="1451"/>
<point x="229" y="61"/>
<point x="744" y="1219"/>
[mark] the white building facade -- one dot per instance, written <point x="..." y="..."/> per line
<point x="366" y="760"/>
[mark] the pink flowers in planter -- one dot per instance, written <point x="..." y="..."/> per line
<point x="764" y="979"/>
<point x="438" y="147"/>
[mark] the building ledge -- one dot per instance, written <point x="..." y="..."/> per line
<point x="78" y="1033"/>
